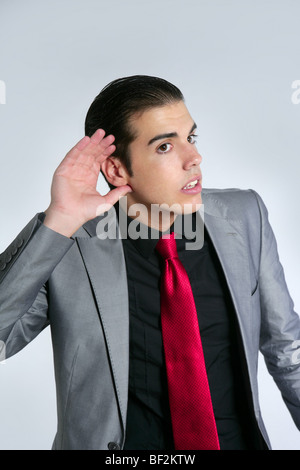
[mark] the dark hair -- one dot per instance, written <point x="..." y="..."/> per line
<point x="119" y="101"/>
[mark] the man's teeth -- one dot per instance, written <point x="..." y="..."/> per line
<point x="191" y="185"/>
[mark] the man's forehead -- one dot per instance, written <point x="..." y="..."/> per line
<point x="169" y="118"/>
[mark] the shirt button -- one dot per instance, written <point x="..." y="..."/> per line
<point x="113" y="446"/>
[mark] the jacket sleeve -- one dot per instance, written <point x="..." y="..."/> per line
<point x="25" y="267"/>
<point x="280" y="324"/>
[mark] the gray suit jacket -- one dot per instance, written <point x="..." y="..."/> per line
<point x="79" y="287"/>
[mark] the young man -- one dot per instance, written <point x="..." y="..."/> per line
<point x="102" y="297"/>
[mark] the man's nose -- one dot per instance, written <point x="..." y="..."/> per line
<point x="191" y="158"/>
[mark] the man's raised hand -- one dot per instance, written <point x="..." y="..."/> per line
<point x="74" y="197"/>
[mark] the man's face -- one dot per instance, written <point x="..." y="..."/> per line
<point x="164" y="158"/>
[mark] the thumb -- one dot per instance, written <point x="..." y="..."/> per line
<point x="111" y="198"/>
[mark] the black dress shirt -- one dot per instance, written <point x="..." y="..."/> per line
<point x="148" y="418"/>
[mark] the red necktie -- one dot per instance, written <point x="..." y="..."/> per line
<point x="193" y="421"/>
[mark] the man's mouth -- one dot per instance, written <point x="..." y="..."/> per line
<point x="191" y="185"/>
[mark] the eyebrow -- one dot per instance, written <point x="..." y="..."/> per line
<point x="169" y="135"/>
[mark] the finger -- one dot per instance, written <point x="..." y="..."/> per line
<point x="77" y="149"/>
<point x="93" y="146"/>
<point x="83" y="143"/>
<point x="100" y="145"/>
<point x="106" y="153"/>
<point x="98" y="136"/>
<point x="107" y="141"/>
<point x="112" y="197"/>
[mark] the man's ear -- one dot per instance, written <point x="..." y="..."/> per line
<point x="114" y="171"/>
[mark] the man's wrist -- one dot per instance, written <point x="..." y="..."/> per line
<point x="60" y="222"/>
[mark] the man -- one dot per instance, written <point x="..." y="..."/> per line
<point x="102" y="297"/>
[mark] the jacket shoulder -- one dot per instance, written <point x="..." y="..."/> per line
<point x="229" y="195"/>
<point x="232" y="202"/>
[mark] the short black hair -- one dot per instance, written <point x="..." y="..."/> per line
<point x="119" y="101"/>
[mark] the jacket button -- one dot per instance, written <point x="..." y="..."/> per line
<point x="20" y="242"/>
<point x="113" y="446"/>
<point x="2" y="266"/>
<point x="14" y="250"/>
<point x="8" y="258"/>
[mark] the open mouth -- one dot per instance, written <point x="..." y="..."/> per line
<point x="192" y="184"/>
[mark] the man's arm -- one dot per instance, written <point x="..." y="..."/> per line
<point x="26" y="265"/>
<point x="28" y="262"/>
<point x="280" y="324"/>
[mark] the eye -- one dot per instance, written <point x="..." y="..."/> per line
<point x="164" y="148"/>
<point x="192" y="139"/>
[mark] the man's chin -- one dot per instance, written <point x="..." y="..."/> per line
<point x="157" y="215"/>
<point x="191" y="208"/>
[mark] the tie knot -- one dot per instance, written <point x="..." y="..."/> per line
<point x="166" y="246"/>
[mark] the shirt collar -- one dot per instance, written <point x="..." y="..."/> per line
<point x="146" y="243"/>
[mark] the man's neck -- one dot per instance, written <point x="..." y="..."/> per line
<point x="155" y="217"/>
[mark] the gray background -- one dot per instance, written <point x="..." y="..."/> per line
<point x="235" y="62"/>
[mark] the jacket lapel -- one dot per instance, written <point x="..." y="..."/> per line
<point x="105" y="265"/>
<point x="228" y="236"/>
